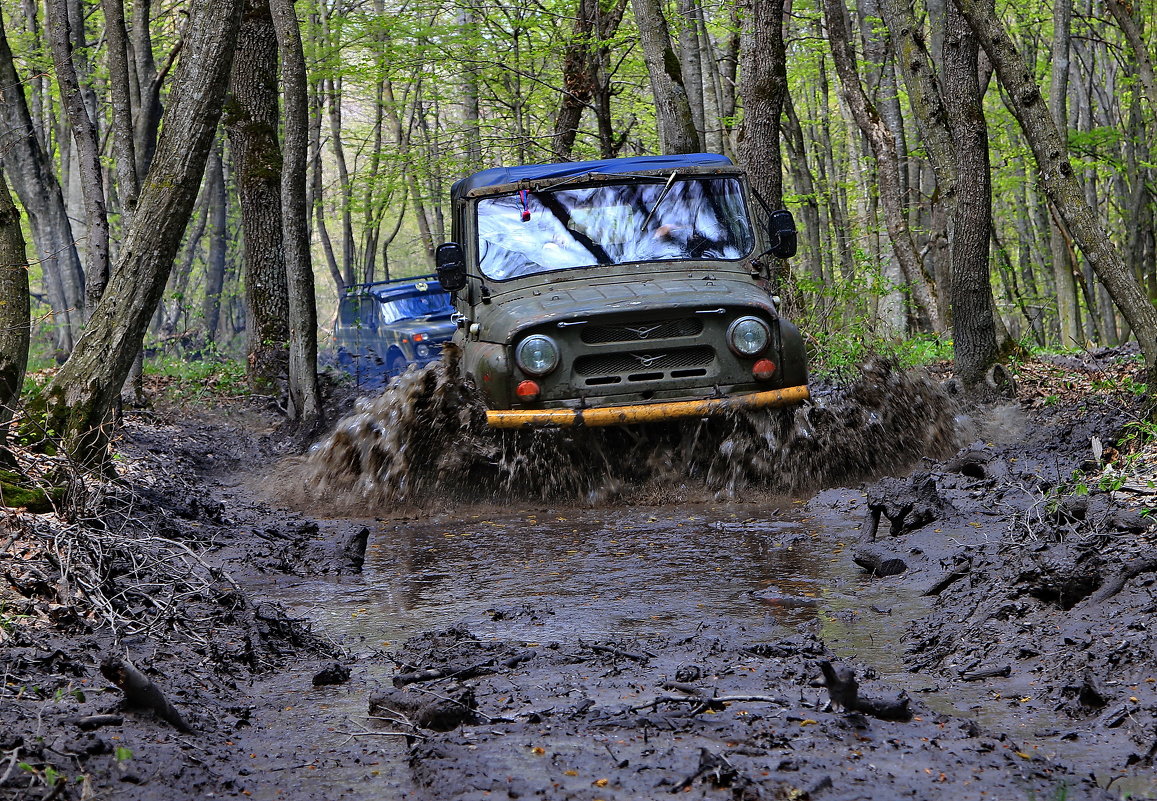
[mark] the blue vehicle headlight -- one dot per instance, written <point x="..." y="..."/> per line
<point x="423" y="351"/>
<point x="537" y="355"/>
<point x="748" y="336"/>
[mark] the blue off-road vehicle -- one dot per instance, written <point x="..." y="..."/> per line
<point x="384" y="327"/>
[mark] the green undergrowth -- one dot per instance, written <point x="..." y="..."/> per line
<point x="183" y="379"/>
<point x="840" y="354"/>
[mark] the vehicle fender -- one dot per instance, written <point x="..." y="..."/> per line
<point x="793" y="358"/>
<point x="487" y="365"/>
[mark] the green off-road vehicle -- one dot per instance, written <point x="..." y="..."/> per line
<point x="619" y="291"/>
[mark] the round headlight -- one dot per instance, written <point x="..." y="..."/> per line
<point x="537" y="355"/>
<point x="748" y="336"/>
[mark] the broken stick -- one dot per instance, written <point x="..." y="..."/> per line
<point x="141" y="691"/>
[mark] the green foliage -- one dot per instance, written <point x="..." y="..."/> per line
<point x="122" y="754"/>
<point x="191" y="379"/>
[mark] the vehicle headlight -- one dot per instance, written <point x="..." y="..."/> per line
<point x="537" y="355"/>
<point x="748" y="336"/>
<point x="423" y="351"/>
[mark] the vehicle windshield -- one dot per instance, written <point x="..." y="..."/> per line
<point x="412" y="307"/>
<point x="530" y="232"/>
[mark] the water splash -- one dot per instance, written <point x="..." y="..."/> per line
<point x="426" y="436"/>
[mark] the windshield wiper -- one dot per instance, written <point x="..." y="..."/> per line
<point x="662" y="197"/>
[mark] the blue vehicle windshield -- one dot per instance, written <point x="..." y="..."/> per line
<point x="525" y="233"/>
<point x="416" y="306"/>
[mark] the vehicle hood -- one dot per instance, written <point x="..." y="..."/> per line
<point x="510" y="313"/>
<point x="438" y="329"/>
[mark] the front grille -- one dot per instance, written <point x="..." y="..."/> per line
<point x="612" y="368"/>
<point x="641" y="332"/>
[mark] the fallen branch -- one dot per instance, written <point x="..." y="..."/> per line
<point x="90" y="722"/>
<point x="844" y="691"/>
<point x="878" y="563"/>
<point x="986" y="673"/>
<point x="713" y="702"/>
<point x="606" y="649"/>
<point x="949" y="578"/>
<point x="140" y="690"/>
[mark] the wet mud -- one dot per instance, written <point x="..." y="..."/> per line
<point x="972" y="622"/>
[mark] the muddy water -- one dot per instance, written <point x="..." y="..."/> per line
<point x="598" y="572"/>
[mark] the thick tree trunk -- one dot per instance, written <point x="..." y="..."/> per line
<point x="973" y="332"/>
<point x="88" y="152"/>
<point x="252" y="124"/>
<point x="1060" y="183"/>
<point x="31" y="173"/>
<point x="677" y="132"/>
<point x="304" y="397"/>
<point x="884" y="147"/>
<point x="14" y="322"/>
<point x="80" y="397"/>
<point x="762" y="86"/>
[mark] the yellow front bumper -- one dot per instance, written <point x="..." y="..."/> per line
<point x="643" y="412"/>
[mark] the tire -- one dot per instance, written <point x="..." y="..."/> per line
<point x="396" y="365"/>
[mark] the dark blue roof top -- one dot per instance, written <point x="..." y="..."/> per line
<point x="398" y="287"/>
<point x="497" y="176"/>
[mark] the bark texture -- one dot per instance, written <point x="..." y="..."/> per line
<point x="78" y="401"/>
<point x="304" y="397"/>
<point x="252" y="123"/>
<point x="14" y="327"/>
<point x="763" y="85"/>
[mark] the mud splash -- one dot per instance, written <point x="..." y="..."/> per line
<point x="426" y="436"/>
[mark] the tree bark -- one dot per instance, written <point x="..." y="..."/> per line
<point x="88" y="152"/>
<point x="218" y="198"/>
<point x="973" y="330"/>
<point x="1068" y="312"/>
<point x="884" y="147"/>
<point x="677" y="132"/>
<point x="304" y="398"/>
<point x="252" y="124"/>
<point x="79" y="399"/>
<point x="124" y="145"/>
<point x="14" y="322"/>
<point x="1060" y="183"/>
<point x="762" y="86"/>
<point x="1123" y="14"/>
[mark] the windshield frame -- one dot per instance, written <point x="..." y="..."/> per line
<point x="738" y="225"/>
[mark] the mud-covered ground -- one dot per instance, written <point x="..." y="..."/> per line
<point x="1026" y="549"/>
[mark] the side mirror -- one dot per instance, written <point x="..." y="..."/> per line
<point x="451" y="263"/>
<point x="781" y="228"/>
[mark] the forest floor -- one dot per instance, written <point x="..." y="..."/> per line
<point x="1025" y="560"/>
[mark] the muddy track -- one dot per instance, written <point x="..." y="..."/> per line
<point x="1019" y="617"/>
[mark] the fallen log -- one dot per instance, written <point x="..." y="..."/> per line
<point x="878" y="563"/>
<point x="951" y="577"/>
<point x="426" y="710"/>
<point x="91" y="722"/>
<point x="141" y="691"/>
<point x="986" y="673"/>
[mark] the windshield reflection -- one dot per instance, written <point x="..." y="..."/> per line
<point x="525" y="233"/>
<point x="429" y="304"/>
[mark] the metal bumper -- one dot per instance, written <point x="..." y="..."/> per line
<point x="643" y="412"/>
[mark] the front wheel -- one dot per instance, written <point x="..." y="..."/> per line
<point x="397" y="365"/>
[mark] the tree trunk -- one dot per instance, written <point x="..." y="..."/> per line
<point x="304" y="397"/>
<point x="762" y="86"/>
<point x="973" y="330"/>
<point x="1068" y="313"/>
<point x="30" y="170"/>
<point x="14" y="322"/>
<point x="80" y="397"/>
<point x="252" y="125"/>
<point x="87" y="149"/>
<point x="677" y="132"/>
<point x="884" y="147"/>
<point x="1123" y="14"/>
<point x="1059" y="181"/>
<point x="691" y="65"/>
<point x="124" y="146"/>
<point x="218" y="243"/>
